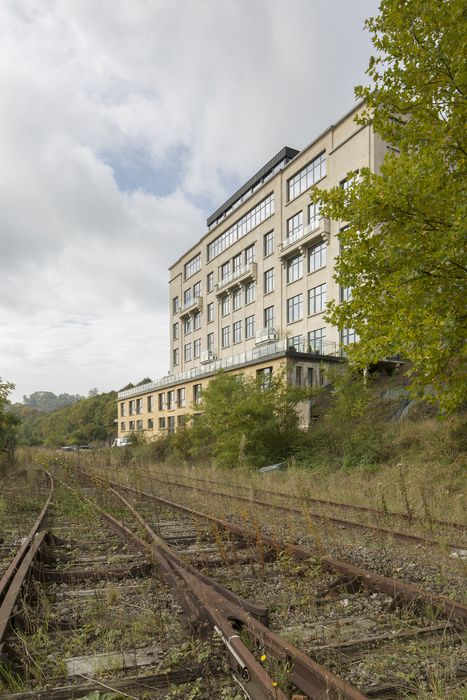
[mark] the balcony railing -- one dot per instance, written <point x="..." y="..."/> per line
<point x="192" y="305"/>
<point x="306" y="234"/>
<point x="243" y="272"/>
<point x="265" y="335"/>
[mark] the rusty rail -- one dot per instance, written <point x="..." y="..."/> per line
<point x="211" y="606"/>
<point x="336" y="504"/>
<point x="403" y="593"/>
<point x="352" y="524"/>
<point x="19" y="568"/>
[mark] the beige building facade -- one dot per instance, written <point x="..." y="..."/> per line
<point x="250" y="295"/>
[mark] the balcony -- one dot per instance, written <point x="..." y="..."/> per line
<point x="207" y="356"/>
<point x="195" y="304"/>
<point x="265" y="335"/>
<point x="309" y="234"/>
<point x="241" y="274"/>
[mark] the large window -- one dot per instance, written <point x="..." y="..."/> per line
<point x="210" y="281"/>
<point x="225" y="270"/>
<point x="268" y="243"/>
<point x="150" y="404"/>
<point x="296" y="342"/>
<point x="123" y="409"/>
<point x="139" y="405"/>
<point x="250" y="254"/>
<point x="197" y="394"/>
<point x="237" y="299"/>
<point x="264" y="376"/>
<point x="196" y="290"/>
<point x="250" y="326"/>
<point x="196" y="321"/>
<point x="348" y="336"/>
<point x="187" y="352"/>
<point x="197" y="348"/>
<point x="171" y="424"/>
<point x="226" y="336"/>
<point x="225" y="305"/>
<point x="237" y="332"/>
<point x="139" y="424"/>
<point x="236" y="263"/>
<point x="241" y="227"/>
<point x="295" y="268"/>
<point x="316" y="340"/>
<point x="132" y="407"/>
<point x="317" y="299"/>
<point x="316" y="257"/>
<point x="269" y="281"/>
<point x="181" y="397"/>
<point x="161" y="401"/>
<point x="295" y="308"/>
<point x="307" y="176"/>
<point x="193" y="266"/>
<point x="210" y="342"/>
<point x="295" y="226"/>
<point x="250" y="292"/>
<point x="313" y="215"/>
<point x="269" y="317"/>
<point x="161" y="423"/>
<point x="187" y="297"/>
<point x="187" y="325"/>
<point x="210" y="312"/>
<point x="171" y="400"/>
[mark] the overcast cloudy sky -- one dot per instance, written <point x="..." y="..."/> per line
<point x="123" y="125"/>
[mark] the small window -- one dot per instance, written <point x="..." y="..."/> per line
<point x="237" y="299"/>
<point x="317" y="299"/>
<point x="175" y="356"/>
<point x="132" y="425"/>
<point x="210" y="282"/>
<point x="269" y="281"/>
<point x="181" y="397"/>
<point x="161" y="402"/>
<point x="250" y="254"/>
<point x="196" y="394"/>
<point x="226" y="336"/>
<point x="268" y="243"/>
<point x="150" y="423"/>
<point x="295" y="268"/>
<point x="123" y="426"/>
<point x="150" y="404"/>
<point x="197" y="321"/>
<point x="210" y="312"/>
<point x="161" y="423"/>
<point x="197" y="348"/>
<point x="250" y="327"/>
<point x="237" y="332"/>
<point x="187" y="352"/>
<point x="295" y="308"/>
<point x="139" y="425"/>
<point x="250" y="292"/>
<point x="175" y="305"/>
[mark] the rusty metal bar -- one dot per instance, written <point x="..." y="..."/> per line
<point x="402" y="592"/>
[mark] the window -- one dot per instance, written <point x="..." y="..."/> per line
<point x="241" y="227"/>
<point x="196" y="290"/>
<point x="150" y="404"/>
<point x="181" y="421"/>
<point x="295" y="308"/>
<point x="306" y="177"/>
<point x="237" y="332"/>
<point x="187" y="352"/>
<point x="139" y="405"/>
<point x="131" y="425"/>
<point x="175" y="331"/>
<point x="345" y="293"/>
<point x="187" y="297"/>
<point x="210" y="281"/>
<point x="210" y="342"/>
<point x="250" y="326"/>
<point x="236" y="263"/>
<point x="269" y="281"/>
<point x="237" y="299"/>
<point x="175" y="356"/>
<point x="313" y="215"/>
<point x="250" y="254"/>
<point x="225" y="305"/>
<point x="187" y="325"/>
<point x="309" y="376"/>
<point x="161" y="401"/>
<point x="210" y="312"/>
<point x="250" y="292"/>
<point x="316" y="257"/>
<point x="295" y="268"/>
<point x="171" y="400"/>
<point x="264" y="376"/>
<point x="226" y="336"/>
<point x="316" y="341"/>
<point x="269" y="318"/>
<point x="268" y="243"/>
<point x="175" y="305"/>
<point x="161" y="423"/>
<point x="123" y="426"/>
<point x="132" y="407"/>
<point x="225" y="271"/>
<point x="181" y="397"/>
<point x="298" y="376"/>
<point x="348" y="336"/>
<point x="139" y="425"/>
<point x="123" y="409"/>
<point x="317" y="299"/>
<point x="196" y="394"/>
<point x="296" y="342"/>
<point x="295" y="226"/>
<point x="150" y="423"/>
<point x="349" y="181"/>
<point x="171" y="424"/>
<point x="197" y="348"/>
<point x="193" y="266"/>
<point x="196" y="321"/>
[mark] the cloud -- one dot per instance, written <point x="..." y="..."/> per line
<point x="123" y="125"/>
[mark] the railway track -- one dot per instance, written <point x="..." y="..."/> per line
<point x="330" y="625"/>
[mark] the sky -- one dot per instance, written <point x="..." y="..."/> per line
<point x="123" y="125"/>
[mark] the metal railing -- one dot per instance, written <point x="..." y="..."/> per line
<point x="322" y="226"/>
<point x="249" y="269"/>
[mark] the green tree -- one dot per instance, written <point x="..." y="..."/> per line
<point x="403" y="253"/>
<point x="8" y="423"/>
<point x="247" y="422"/>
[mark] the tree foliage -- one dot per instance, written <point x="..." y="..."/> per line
<point x="8" y="422"/>
<point x="403" y="252"/>
<point x="48" y="401"/>
<point x="245" y="422"/>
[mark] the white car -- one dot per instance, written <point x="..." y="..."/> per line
<point x="121" y="442"/>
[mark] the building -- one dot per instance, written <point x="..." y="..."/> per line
<point x="251" y="292"/>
